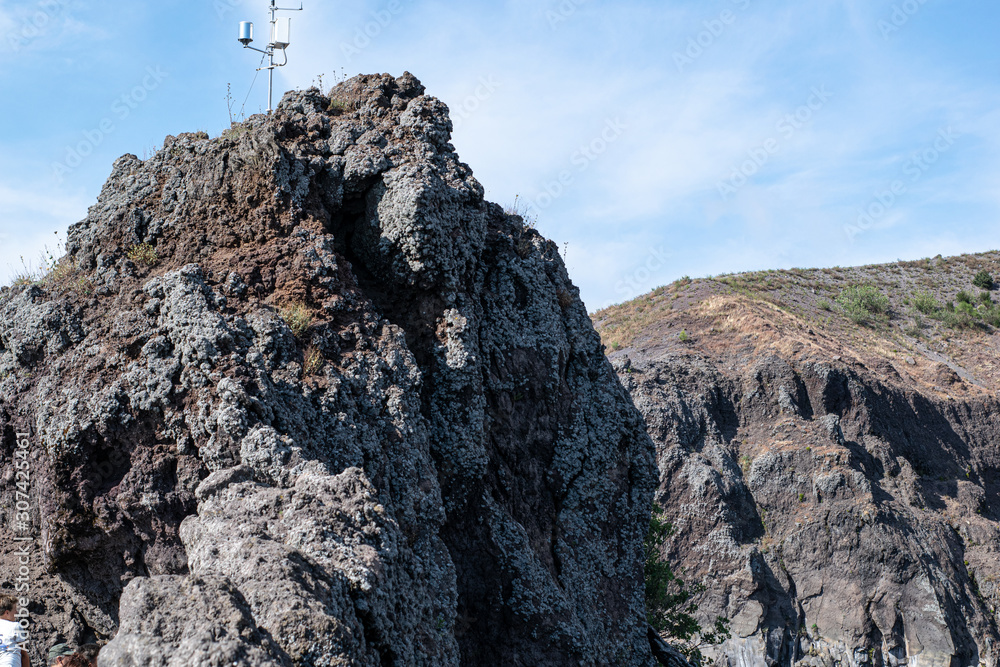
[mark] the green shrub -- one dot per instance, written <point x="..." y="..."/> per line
<point x="986" y="298"/>
<point x="984" y="280"/>
<point x="992" y="317"/>
<point x="684" y="337"/>
<point x="962" y="316"/>
<point x="963" y="297"/>
<point x="926" y="303"/>
<point x="863" y="303"/>
<point x="824" y="304"/>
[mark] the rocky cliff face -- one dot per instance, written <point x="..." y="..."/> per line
<point x="299" y="396"/>
<point x="835" y="487"/>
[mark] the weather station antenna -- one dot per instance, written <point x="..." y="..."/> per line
<point x="281" y="30"/>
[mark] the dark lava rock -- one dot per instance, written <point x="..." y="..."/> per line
<point x="837" y="515"/>
<point x="299" y="396"/>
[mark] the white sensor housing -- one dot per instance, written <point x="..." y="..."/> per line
<point x="281" y="36"/>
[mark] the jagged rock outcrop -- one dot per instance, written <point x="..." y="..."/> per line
<point x="299" y="396"/>
<point x="838" y="510"/>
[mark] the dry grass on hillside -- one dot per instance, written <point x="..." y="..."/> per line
<point x="902" y="314"/>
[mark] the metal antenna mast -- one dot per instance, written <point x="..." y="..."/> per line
<point x="280" y="39"/>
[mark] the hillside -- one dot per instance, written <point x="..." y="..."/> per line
<point x="829" y="455"/>
<point x="922" y="345"/>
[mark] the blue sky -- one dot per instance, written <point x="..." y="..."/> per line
<point x="652" y="140"/>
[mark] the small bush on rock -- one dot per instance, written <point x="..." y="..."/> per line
<point x="298" y="317"/>
<point x="143" y="254"/>
<point x="337" y="107"/>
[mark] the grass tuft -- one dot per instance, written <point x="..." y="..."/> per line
<point x="143" y="254"/>
<point x="312" y="361"/>
<point x="298" y="317"/>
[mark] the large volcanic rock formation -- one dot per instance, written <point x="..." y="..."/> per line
<point x="299" y="396"/>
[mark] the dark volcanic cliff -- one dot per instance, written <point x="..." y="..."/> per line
<point x="299" y="396"/>
<point x="835" y="487"/>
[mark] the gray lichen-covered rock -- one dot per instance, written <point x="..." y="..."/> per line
<point x="299" y="396"/>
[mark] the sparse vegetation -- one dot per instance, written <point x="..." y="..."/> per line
<point x="235" y="131"/>
<point x="337" y="107"/>
<point x="312" y="361"/>
<point x="669" y="608"/>
<point x="894" y="303"/>
<point x="684" y="337"/>
<point x="143" y="254"/>
<point x="520" y="208"/>
<point x="298" y="317"/>
<point x="50" y="271"/>
<point x="863" y="304"/>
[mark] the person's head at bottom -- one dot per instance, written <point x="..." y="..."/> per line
<point x="75" y="660"/>
<point x="59" y="654"/>
<point x="89" y="653"/>
<point x="8" y="603"/>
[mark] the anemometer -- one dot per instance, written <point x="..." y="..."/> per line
<point x="281" y="29"/>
